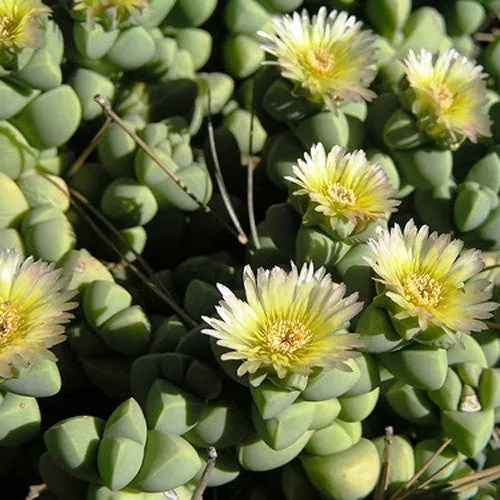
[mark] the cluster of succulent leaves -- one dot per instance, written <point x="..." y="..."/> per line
<point x="139" y="397"/>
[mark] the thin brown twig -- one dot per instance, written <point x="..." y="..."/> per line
<point x="218" y="173"/>
<point x="475" y="484"/>
<point x="489" y="268"/>
<point x="203" y="206"/>
<point x="89" y="149"/>
<point x="487" y="37"/>
<point x="436" y="474"/>
<point x="383" y="483"/>
<point x="84" y="201"/>
<point x="492" y="324"/>
<point x="202" y="485"/>
<point x="190" y="322"/>
<point x="490" y="471"/>
<point x="250" y="177"/>
<point x="422" y="469"/>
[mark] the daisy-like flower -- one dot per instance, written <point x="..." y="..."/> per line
<point x="328" y="55"/>
<point x="113" y="11"/>
<point x="428" y="279"/>
<point x="449" y="96"/>
<point x="20" y="24"/>
<point x="33" y="308"/>
<point x="287" y="323"/>
<point x="344" y="187"/>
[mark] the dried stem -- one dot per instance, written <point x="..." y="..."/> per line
<point x="487" y="37"/>
<point x="203" y="206"/>
<point x="398" y="495"/>
<point x="475" y="484"/>
<point x="82" y="199"/>
<point x="492" y="473"/>
<point x="202" y="485"/>
<point x="436" y="474"/>
<point x="190" y="322"/>
<point x="383" y="483"/>
<point x="492" y="324"/>
<point x="89" y="149"/>
<point x="218" y="174"/>
<point x="489" y="268"/>
<point x="250" y="177"/>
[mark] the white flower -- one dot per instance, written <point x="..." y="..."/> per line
<point x="450" y="96"/>
<point x="33" y="308"/>
<point x="328" y="55"/>
<point x="344" y="186"/>
<point x="287" y="323"/>
<point x="427" y="278"/>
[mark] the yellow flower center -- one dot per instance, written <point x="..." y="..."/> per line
<point x="422" y="290"/>
<point x="9" y="323"/>
<point x="443" y="96"/>
<point x="8" y="25"/>
<point x="287" y="336"/>
<point x="340" y="195"/>
<point x="321" y="61"/>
